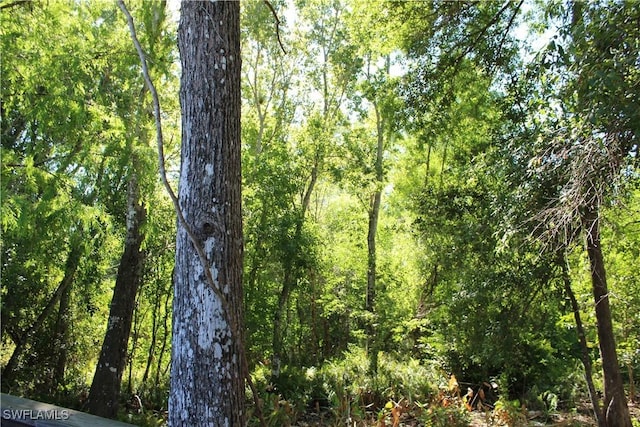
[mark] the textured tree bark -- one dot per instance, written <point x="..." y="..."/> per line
<point x="615" y="409"/>
<point x="207" y="373"/>
<point x="105" y="388"/>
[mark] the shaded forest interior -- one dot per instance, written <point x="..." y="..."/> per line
<point x="440" y="209"/>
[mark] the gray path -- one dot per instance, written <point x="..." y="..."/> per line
<point x="17" y="411"/>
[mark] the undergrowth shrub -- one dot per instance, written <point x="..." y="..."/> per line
<point x="446" y="416"/>
<point x="407" y="379"/>
<point x="354" y="392"/>
<point x="344" y="388"/>
<point x="509" y="413"/>
<point x="284" y="401"/>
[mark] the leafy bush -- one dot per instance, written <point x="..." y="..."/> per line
<point x="446" y="416"/>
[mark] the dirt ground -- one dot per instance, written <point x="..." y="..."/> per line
<point x="583" y="418"/>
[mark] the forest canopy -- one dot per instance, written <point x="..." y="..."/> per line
<point x="440" y="209"/>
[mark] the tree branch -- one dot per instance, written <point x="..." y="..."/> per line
<point x="507" y="29"/>
<point x="15" y="3"/>
<point x="478" y="36"/>
<point x="275" y="16"/>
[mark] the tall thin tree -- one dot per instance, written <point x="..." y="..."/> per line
<point x="105" y="388"/>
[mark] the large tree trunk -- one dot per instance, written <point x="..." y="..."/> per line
<point x="615" y="410"/>
<point x="207" y="372"/>
<point x="105" y="388"/>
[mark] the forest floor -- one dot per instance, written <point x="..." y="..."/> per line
<point x="580" y="418"/>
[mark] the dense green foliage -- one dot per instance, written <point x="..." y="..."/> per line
<point x="482" y="151"/>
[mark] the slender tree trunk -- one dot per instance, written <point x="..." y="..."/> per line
<point x="290" y="266"/>
<point x="288" y="284"/>
<point x="372" y="344"/>
<point x="135" y="335"/>
<point x="207" y="370"/>
<point x="315" y="344"/>
<point x="154" y="335"/>
<point x="71" y="266"/>
<point x="62" y="338"/>
<point x="105" y="388"/>
<point x="374" y="214"/>
<point x="443" y="163"/>
<point x="632" y="384"/>
<point x="582" y="339"/>
<point x="165" y="337"/>
<point x="615" y="409"/>
<point x="258" y="255"/>
<point x="427" y="174"/>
